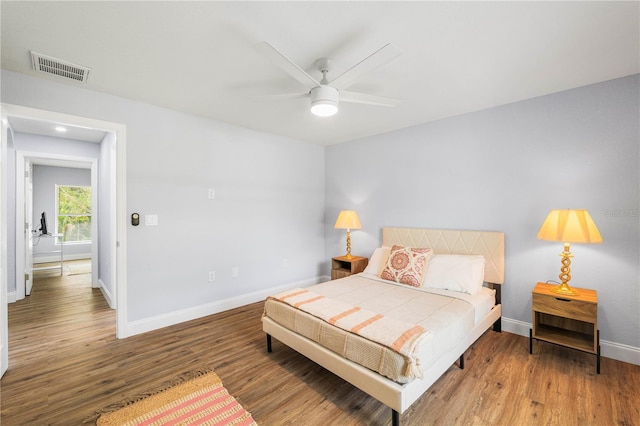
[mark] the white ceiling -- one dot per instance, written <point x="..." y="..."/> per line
<point x="59" y="130"/>
<point x="198" y="57"/>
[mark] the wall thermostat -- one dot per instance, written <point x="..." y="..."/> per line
<point x="135" y="219"/>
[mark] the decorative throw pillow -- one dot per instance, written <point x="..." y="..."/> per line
<point x="406" y="265"/>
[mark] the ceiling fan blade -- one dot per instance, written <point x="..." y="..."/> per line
<point x="284" y="96"/>
<point x="362" y="98"/>
<point x="287" y="64"/>
<point x="371" y="62"/>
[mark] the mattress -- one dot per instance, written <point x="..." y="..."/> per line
<point x="447" y="316"/>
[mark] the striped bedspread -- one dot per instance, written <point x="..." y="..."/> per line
<point x="402" y="337"/>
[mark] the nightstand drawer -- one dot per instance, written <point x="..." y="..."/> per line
<point x="568" y="308"/>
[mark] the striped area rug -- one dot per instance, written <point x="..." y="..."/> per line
<point x="201" y="400"/>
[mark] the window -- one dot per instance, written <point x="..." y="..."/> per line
<point x="73" y="209"/>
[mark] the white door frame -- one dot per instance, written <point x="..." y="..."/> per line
<point x="28" y="223"/>
<point x="21" y="249"/>
<point x="118" y="211"/>
<point x="4" y="318"/>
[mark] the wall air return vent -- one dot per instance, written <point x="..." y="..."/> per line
<point x="64" y="69"/>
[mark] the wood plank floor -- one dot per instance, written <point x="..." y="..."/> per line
<point x="65" y="363"/>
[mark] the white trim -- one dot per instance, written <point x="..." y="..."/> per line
<point x="4" y="317"/>
<point x="21" y="157"/>
<point x="119" y="264"/>
<point x="520" y="328"/>
<point x="11" y="297"/>
<point x="106" y="293"/>
<point x="20" y="249"/>
<point x="94" y="224"/>
<point x="56" y="258"/>
<point x="176" y="317"/>
<point x="119" y="247"/>
<point x="608" y="349"/>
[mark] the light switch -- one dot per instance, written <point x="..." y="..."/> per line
<point x="151" y="220"/>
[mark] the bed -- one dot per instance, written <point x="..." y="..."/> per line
<point x="400" y="385"/>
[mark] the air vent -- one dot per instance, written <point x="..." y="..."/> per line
<point x="67" y="70"/>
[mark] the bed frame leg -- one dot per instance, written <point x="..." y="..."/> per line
<point x="462" y="362"/>
<point x="395" y="418"/>
<point x="598" y="355"/>
<point x="269" y="343"/>
<point x="497" y="326"/>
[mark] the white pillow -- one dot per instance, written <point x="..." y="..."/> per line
<point x="456" y="272"/>
<point x="378" y="260"/>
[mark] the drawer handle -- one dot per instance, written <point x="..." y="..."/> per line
<point x="563" y="300"/>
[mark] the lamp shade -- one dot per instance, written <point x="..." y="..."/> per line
<point x="348" y="219"/>
<point x="569" y="226"/>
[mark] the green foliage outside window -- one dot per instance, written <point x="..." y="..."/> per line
<point x="74" y="213"/>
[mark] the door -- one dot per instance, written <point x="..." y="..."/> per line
<point x="28" y="225"/>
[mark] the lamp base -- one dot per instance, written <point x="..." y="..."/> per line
<point x="565" y="273"/>
<point x="564" y="289"/>
<point x="348" y="255"/>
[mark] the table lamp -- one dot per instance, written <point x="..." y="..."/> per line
<point x="568" y="226"/>
<point x="348" y="219"/>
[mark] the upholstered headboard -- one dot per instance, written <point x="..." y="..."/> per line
<point x="444" y="241"/>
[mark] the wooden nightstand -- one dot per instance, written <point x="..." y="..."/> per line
<point x="570" y="321"/>
<point x="342" y="267"/>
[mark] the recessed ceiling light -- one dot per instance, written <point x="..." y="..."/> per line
<point x="61" y="129"/>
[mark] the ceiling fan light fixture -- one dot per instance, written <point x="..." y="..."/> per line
<point x="324" y="101"/>
<point x="324" y="108"/>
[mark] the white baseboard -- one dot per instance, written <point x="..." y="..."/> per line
<point x="56" y="258"/>
<point x="516" y="327"/>
<point x="11" y="297"/>
<point x="613" y="350"/>
<point x="165" y="320"/>
<point x="106" y="293"/>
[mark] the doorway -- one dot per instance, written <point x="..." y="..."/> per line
<point x="65" y="218"/>
<point x="27" y="162"/>
<point x="111" y="255"/>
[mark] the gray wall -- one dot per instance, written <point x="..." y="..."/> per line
<point x="45" y="179"/>
<point x="269" y="203"/>
<point x="504" y="169"/>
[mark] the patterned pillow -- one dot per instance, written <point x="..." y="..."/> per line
<point x="406" y="265"/>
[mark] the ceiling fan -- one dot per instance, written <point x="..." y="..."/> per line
<point x="326" y="94"/>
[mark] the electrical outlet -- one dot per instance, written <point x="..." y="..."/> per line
<point x="235" y="272"/>
<point x="285" y="263"/>
<point x="212" y="193"/>
<point x="212" y="276"/>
